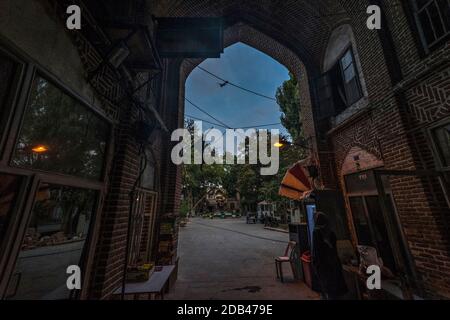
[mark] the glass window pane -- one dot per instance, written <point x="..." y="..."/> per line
<point x="349" y="73"/>
<point x="380" y="232"/>
<point x="444" y="8"/>
<point x="436" y="19"/>
<point x="426" y="27"/>
<point x="347" y="59"/>
<point x="60" y="134"/>
<point x="360" y="221"/>
<point x="353" y="91"/>
<point x="9" y="188"/>
<point x="442" y="140"/>
<point x="54" y="240"/>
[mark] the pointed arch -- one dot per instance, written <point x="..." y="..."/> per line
<point x="359" y="159"/>
<point x="252" y="37"/>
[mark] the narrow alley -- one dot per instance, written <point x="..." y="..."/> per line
<point x="229" y="259"/>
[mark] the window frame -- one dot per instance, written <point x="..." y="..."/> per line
<point x="417" y="27"/>
<point x="21" y="213"/>
<point x="86" y="259"/>
<point x="357" y="75"/>
<point x="434" y="145"/>
<point x="20" y="117"/>
<point x="11" y="98"/>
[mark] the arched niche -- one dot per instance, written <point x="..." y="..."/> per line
<point x="341" y="39"/>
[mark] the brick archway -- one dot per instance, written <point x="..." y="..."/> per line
<point x="272" y="28"/>
<point x="279" y="20"/>
<point x="179" y="70"/>
<point x="248" y="35"/>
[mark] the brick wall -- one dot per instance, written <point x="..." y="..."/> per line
<point x="394" y="129"/>
<point x="393" y="125"/>
<point x="124" y="168"/>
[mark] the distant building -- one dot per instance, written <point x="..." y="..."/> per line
<point x="266" y="209"/>
<point x="217" y="200"/>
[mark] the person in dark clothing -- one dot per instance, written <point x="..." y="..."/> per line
<point x="325" y="259"/>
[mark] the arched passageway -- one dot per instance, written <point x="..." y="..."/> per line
<point x="382" y="92"/>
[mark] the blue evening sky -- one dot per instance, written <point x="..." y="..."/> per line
<point x="246" y="67"/>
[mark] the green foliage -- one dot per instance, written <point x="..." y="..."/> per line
<point x="184" y="208"/>
<point x="74" y="135"/>
<point x="246" y="179"/>
<point x="288" y="99"/>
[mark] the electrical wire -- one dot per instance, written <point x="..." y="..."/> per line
<point x="226" y="82"/>
<point x="262" y="125"/>
<point x="218" y="125"/>
<point x="203" y="120"/>
<point x="208" y="114"/>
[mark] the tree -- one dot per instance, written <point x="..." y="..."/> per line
<point x="246" y="179"/>
<point x="198" y="178"/>
<point x="288" y="98"/>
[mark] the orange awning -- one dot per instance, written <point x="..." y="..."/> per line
<point x="295" y="183"/>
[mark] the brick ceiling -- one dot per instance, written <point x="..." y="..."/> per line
<point x="303" y="26"/>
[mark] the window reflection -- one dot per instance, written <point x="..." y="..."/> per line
<point x="54" y="240"/>
<point x="59" y="134"/>
<point x="9" y="187"/>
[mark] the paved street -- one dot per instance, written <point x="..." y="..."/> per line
<point x="229" y="259"/>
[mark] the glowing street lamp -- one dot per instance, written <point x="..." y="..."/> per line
<point x="40" y="149"/>
<point x="278" y="145"/>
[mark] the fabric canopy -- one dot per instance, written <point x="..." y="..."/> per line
<point x="296" y="183"/>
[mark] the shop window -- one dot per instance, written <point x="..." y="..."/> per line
<point x="54" y="239"/>
<point x="380" y="233"/>
<point x="433" y="20"/>
<point x="9" y="188"/>
<point x="371" y="228"/>
<point x="59" y="134"/>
